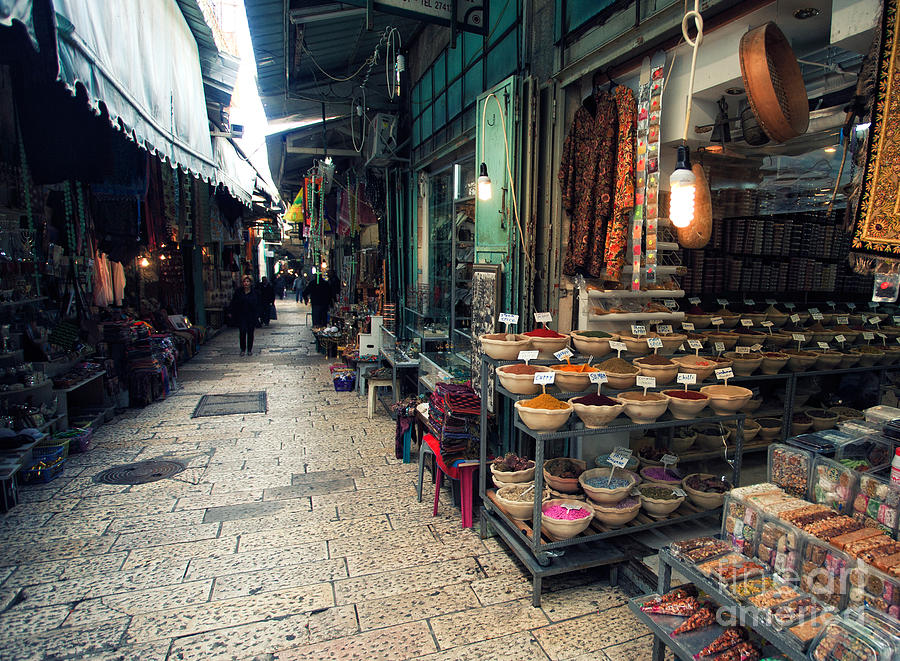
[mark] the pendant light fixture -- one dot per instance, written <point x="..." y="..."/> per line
<point x="484" y="183"/>
<point x="682" y="182"/>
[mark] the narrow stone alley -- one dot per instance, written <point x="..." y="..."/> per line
<point x="293" y="534"/>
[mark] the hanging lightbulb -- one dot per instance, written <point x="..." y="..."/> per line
<point x="683" y="187"/>
<point x="484" y="184"/>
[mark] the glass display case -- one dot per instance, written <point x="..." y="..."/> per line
<point x="442" y="366"/>
<point x="463" y="258"/>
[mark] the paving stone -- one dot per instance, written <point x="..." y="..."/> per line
<point x="565" y="604"/>
<point x="137" y="602"/>
<point x="45" y="572"/>
<point x="505" y="587"/>
<point x="426" y="577"/>
<point x="390" y="560"/>
<point x="639" y="648"/>
<point x="589" y="633"/>
<point x="489" y="622"/>
<point x="166" y="536"/>
<point x="413" y="606"/>
<point x="276" y="578"/>
<point x="514" y="647"/>
<point x="150" y="556"/>
<point x="22" y="622"/>
<point x="37" y="550"/>
<point x="324" y="477"/>
<point x="234" y="563"/>
<point x="350" y="546"/>
<point x="241" y="511"/>
<point x="395" y="643"/>
<point x="84" y="643"/>
<point x="311" y="489"/>
<point x="304" y="532"/>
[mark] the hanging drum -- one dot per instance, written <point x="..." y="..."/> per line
<point x="773" y="82"/>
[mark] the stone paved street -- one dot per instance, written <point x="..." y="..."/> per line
<point x="293" y="534"/>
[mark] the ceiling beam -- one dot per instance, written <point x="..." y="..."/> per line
<point x="324" y="13"/>
<point x="321" y="150"/>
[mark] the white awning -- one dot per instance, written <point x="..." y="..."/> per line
<point x="140" y="59"/>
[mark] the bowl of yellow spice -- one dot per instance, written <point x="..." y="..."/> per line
<point x="544" y="413"/>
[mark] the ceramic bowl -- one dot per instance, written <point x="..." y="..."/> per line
<point x="822" y="419"/>
<point x="659" y="507"/>
<point x="685" y="409"/>
<point x="572" y="381"/>
<point x="711" y="441"/>
<point x="847" y="413"/>
<point x="769" y="428"/>
<point x="614" y="517"/>
<point x="600" y="461"/>
<point x="646" y="475"/>
<point x="562" y="484"/>
<point x="596" y="417"/>
<point x="800" y="361"/>
<point x="636" y="345"/>
<point x="600" y="495"/>
<point x="591" y="346"/>
<point x="621" y="381"/>
<point x="751" y="429"/>
<point x="849" y="358"/>
<point x="773" y="361"/>
<point x="798" y="428"/>
<point x="703" y="499"/>
<point x="520" y="384"/>
<point x="744" y="364"/>
<point x="671" y="343"/>
<point x="521" y="510"/>
<point x="870" y="358"/>
<point x="850" y="337"/>
<point x="729" y="320"/>
<point x="823" y="336"/>
<point x="560" y="528"/>
<point x="749" y="339"/>
<point x="544" y="420"/>
<point x="645" y="461"/>
<point x="500" y="483"/>
<point x="728" y="339"/>
<point x="756" y="317"/>
<point x="778" y="319"/>
<point x="680" y="444"/>
<point x="752" y="405"/>
<point x="725" y="400"/>
<point x="827" y="360"/>
<point x="691" y="364"/>
<point x="547" y="346"/>
<point x="499" y="347"/>
<point x="664" y="374"/>
<point x="700" y="321"/>
<point x="778" y="341"/>
<point x="644" y="411"/>
<point x="513" y="477"/>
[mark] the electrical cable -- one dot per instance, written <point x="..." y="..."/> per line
<point x="512" y="188"/>
<point x="394" y="43"/>
<point x="695" y="44"/>
<point x="353" y="107"/>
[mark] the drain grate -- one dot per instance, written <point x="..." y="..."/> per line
<point x="140" y="472"/>
<point x="231" y="403"/>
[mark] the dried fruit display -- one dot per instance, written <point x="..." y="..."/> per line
<point x="702" y="618"/>
<point x="728" y="638"/>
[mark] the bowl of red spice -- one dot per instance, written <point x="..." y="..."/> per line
<point x="659" y="367"/>
<point x="597" y="411"/>
<point x="519" y="378"/>
<point x="686" y="404"/>
<point x="503" y="346"/>
<point x="702" y="366"/>
<point x="547" y="341"/>
<point x="544" y="413"/>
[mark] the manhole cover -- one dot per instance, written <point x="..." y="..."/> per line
<point x="140" y="472"/>
<point x="231" y="403"/>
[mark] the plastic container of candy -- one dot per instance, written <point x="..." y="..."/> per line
<point x="833" y="485"/>
<point x="880" y="622"/>
<point x="778" y="548"/>
<point x="844" y="639"/>
<point x="874" y="588"/>
<point x="877" y="504"/>
<point x="699" y="549"/>
<point x="740" y="525"/>
<point x="814" y="442"/>
<point x="882" y="414"/>
<point x="790" y="469"/>
<point x="866" y="454"/>
<point x="824" y="571"/>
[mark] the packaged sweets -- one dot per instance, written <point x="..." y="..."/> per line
<point x="807" y="515"/>
<point x="873" y="588"/>
<point x="761" y="488"/>
<point x="700" y="549"/>
<point x="833" y="485"/>
<point x="877" y="504"/>
<point x="739" y="525"/>
<point x="790" y="468"/>
<point x="847" y="641"/>
<point x="808" y="630"/>
<point x="880" y="622"/>
<point x="791" y="612"/>
<point x="832" y="528"/>
<point x="749" y="589"/>
<point x="852" y="540"/>
<point x="778" y="548"/>
<point x="823" y="572"/>
<point x="774" y="597"/>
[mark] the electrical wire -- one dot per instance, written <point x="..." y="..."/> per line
<point x="394" y="44"/>
<point x="695" y="44"/>
<point x="512" y="188"/>
<point x="353" y="106"/>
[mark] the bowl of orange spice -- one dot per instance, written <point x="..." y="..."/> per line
<point x="544" y="413"/>
<point x="572" y="377"/>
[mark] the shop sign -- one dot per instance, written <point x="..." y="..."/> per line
<point x="618" y="459"/>
<point x="756" y="347"/>
<point x="843" y="321"/>
<point x="528" y="355"/>
<point x="722" y="301"/>
<point x="795" y="318"/>
<point x="664" y="329"/>
<point x="798" y="337"/>
<point x="851" y="306"/>
<point x="618" y="346"/>
<point x="770" y="301"/>
<point x="742" y="349"/>
<point x="471" y="15"/>
<point x="841" y="338"/>
<point x="767" y="324"/>
<point x="562" y="354"/>
<point x="645" y="381"/>
<point x="716" y="321"/>
<point x="669" y="303"/>
<point x="507" y="318"/>
<point x="695" y="344"/>
<point x="720" y="347"/>
<point x="693" y="300"/>
<point x="749" y="301"/>
<point x="747" y="323"/>
<point x="724" y="373"/>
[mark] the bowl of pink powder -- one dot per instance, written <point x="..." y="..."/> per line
<point x="563" y="519"/>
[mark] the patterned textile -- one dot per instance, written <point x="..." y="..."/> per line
<point x="877" y="226"/>
<point x="586" y="178"/>
<point x="623" y="203"/>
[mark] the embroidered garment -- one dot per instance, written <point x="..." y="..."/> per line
<point x="623" y="202"/>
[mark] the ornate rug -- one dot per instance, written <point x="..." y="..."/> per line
<point x="877" y="228"/>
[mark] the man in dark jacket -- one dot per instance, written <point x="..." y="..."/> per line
<point x="245" y="312"/>
<point x="266" y="301"/>
<point x="320" y="296"/>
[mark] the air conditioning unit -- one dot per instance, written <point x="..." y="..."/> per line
<point x="382" y="140"/>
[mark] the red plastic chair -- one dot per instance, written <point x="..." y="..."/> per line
<point x="462" y="471"/>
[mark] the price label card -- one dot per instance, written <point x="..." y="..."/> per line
<point x="686" y="325"/>
<point x="716" y="321"/>
<point x="668" y="459"/>
<point x="664" y="329"/>
<point x="795" y="318"/>
<point x="507" y="318"/>
<point x="822" y="345"/>
<point x="851" y="306"/>
<point x="528" y="355"/>
<point x="868" y="336"/>
<point x="598" y="377"/>
<point x="814" y="310"/>
<point x="843" y="321"/>
<point x="722" y="301"/>
<point x="693" y="300"/>
<point x="617" y="346"/>
<point x="798" y="337"/>
<point x="685" y="377"/>
<point x="695" y="344"/>
<point x="669" y="303"/>
<point x="720" y="347"/>
<point x="562" y="354"/>
<point x="543" y="317"/>
<point x="756" y="347"/>
<point x="544" y="378"/>
<point x="770" y="301"/>
<point x="767" y="324"/>
<point x="655" y="322"/>
<point x="678" y="492"/>
<point x="840" y="338"/>
<point x="638" y="330"/>
<point x="742" y="349"/>
<point x="625" y="452"/>
<point x="818" y="316"/>
<point x="830" y="304"/>
<point x="896" y="319"/>
<point x="881" y="335"/>
<point x="789" y="306"/>
<point x="873" y="305"/>
<point x="724" y="373"/>
<point x="749" y="301"/>
<point x="618" y="460"/>
<point x="747" y="323"/>
<point x="646" y="381"/>
<point x="874" y="320"/>
<point x="654" y="343"/>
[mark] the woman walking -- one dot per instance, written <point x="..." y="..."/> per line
<point x="245" y="311"/>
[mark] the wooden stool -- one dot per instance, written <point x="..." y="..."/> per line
<point x="372" y="385"/>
